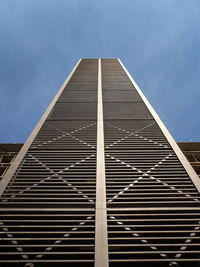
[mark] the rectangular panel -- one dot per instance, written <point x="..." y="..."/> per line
<point x="67" y="111"/>
<point x="70" y="135"/>
<point x="153" y="237"/>
<point x="79" y="86"/>
<point x="78" y="96"/>
<point x="127" y="85"/>
<point x="126" y="111"/>
<point x="121" y="96"/>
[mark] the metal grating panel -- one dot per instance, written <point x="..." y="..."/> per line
<point x="46" y="236"/>
<point x="121" y="96"/>
<point x="71" y="135"/>
<point x="47" y="210"/>
<point x="78" y="96"/>
<point x="161" y="237"/>
<point x="149" y="194"/>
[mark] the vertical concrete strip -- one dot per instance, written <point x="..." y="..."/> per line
<point x="189" y="169"/>
<point x="101" y="237"/>
<point x="7" y="177"/>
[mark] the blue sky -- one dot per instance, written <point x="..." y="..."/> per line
<point x="157" y="40"/>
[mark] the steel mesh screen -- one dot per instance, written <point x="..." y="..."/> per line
<point x="148" y="190"/>
<point x="47" y="210"/>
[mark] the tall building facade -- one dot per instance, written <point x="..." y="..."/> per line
<point x="100" y="181"/>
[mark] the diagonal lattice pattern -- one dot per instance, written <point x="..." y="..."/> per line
<point x="153" y="236"/>
<point x="44" y="236"/>
<point x="74" y="134"/>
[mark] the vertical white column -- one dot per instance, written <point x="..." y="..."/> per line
<point x="101" y="237"/>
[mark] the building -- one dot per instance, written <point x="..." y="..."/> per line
<point x="100" y="181"/>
